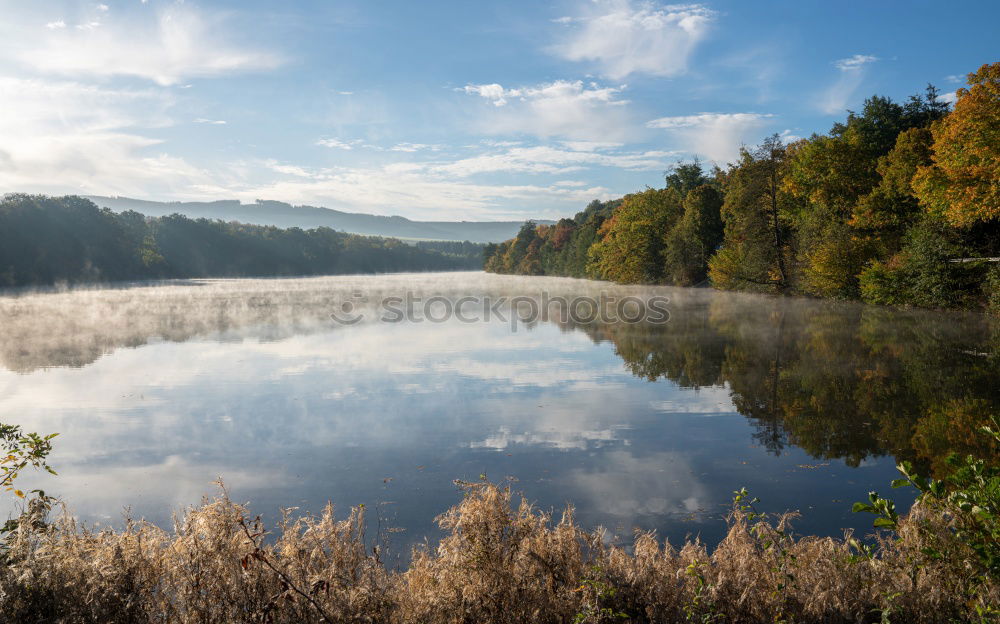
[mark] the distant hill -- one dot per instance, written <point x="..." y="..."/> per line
<point x="286" y="215"/>
<point x="46" y="241"/>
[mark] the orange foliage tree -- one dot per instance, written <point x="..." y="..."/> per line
<point x="963" y="183"/>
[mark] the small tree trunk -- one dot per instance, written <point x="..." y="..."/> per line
<point x="775" y="225"/>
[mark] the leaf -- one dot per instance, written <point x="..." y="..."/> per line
<point x="884" y="523"/>
<point x="859" y="507"/>
<point x="19" y="493"/>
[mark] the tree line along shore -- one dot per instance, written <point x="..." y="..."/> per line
<point x="898" y="204"/>
<point x="52" y="240"/>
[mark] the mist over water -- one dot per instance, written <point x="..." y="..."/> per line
<point x="159" y="389"/>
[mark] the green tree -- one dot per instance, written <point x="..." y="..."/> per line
<point x="853" y="189"/>
<point x="755" y="212"/>
<point x="921" y="274"/>
<point x="695" y="237"/>
<point x="892" y="206"/>
<point x="685" y="177"/>
<point x="828" y="174"/>
<point x="497" y="263"/>
<point x="45" y="240"/>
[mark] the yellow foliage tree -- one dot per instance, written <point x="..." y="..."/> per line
<point x="630" y="251"/>
<point x="963" y="183"/>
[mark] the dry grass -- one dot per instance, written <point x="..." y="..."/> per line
<point x="497" y="563"/>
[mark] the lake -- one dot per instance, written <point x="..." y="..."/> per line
<point x="159" y="389"/>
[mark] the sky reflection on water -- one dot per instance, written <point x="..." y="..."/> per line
<point x="157" y="391"/>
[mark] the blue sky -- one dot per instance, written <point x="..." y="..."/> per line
<point x="472" y="110"/>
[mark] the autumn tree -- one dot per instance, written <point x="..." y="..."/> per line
<point x="963" y="183"/>
<point x="631" y="247"/>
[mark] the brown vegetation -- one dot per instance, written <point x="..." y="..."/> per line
<point x="499" y="562"/>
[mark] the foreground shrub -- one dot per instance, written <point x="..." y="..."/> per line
<point x="499" y="562"/>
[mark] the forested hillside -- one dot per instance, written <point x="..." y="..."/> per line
<point x="286" y="215"/>
<point x="897" y="204"/>
<point x="46" y="240"/>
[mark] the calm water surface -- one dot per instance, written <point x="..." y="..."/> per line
<point x="157" y="390"/>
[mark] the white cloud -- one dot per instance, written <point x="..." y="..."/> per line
<point x="413" y="147"/>
<point x="787" y="136"/>
<point x="626" y="485"/>
<point x="102" y="7"/>
<point x="293" y="170"/>
<point x="504" y="439"/>
<point x="450" y="188"/>
<point x="568" y="109"/>
<point x="591" y="146"/>
<point x="546" y="159"/>
<point x="707" y="400"/>
<point x="623" y="37"/>
<point x="852" y="73"/>
<point x="717" y="136"/>
<point x="493" y="92"/>
<point x="339" y="144"/>
<point x="103" y="132"/>
<point x="854" y="62"/>
<point x="175" y="43"/>
<point x="495" y="143"/>
<point x="951" y="97"/>
<point x="62" y="136"/>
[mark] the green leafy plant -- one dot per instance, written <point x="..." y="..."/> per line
<point x="969" y="498"/>
<point x="596" y="594"/>
<point x="971" y="494"/>
<point x="883" y="508"/>
<point x="21" y="450"/>
<point x="699" y="608"/>
<point x="771" y="537"/>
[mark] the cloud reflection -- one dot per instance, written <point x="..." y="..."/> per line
<point x="159" y="389"/>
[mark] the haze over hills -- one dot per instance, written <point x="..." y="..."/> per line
<point x="286" y="215"/>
